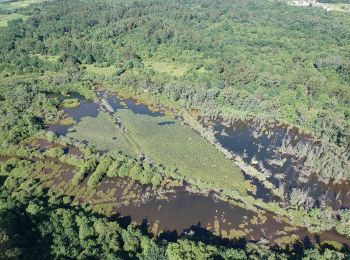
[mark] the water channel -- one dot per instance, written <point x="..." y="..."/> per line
<point x="184" y="211"/>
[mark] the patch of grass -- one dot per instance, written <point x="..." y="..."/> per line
<point x="4" y="18"/>
<point x="168" y="67"/>
<point x="340" y="7"/>
<point x="67" y="121"/>
<point x="49" y="58"/>
<point x="168" y="142"/>
<point x="106" y="71"/>
<point x="71" y="103"/>
<point x="18" y="4"/>
<point x="102" y="133"/>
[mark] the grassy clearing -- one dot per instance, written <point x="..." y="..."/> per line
<point x="340" y="7"/>
<point x="176" y="146"/>
<point x="18" y="4"/>
<point x="50" y="58"/>
<point x="107" y="71"/>
<point x="4" y="18"/>
<point x="67" y="121"/>
<point x="71" y="103"/>
<point x="102" y="133"/>
<point x="168" y="67"/>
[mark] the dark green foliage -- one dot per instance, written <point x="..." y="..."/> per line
<point x="55" y="152"/>
<point x="23" y="111"/>
<point x="32" y="226"/>
<point x="268" y="60"/>
<point x="9" y="165"/>
<point x="88" y="167"/>
<point x="100" y="171"/>
<point x="144" y="173"/>
<point x="260" y="58"/>
<point x="344" y="227"/>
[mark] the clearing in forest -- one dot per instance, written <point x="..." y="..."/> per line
<point x="4" y="18"/>
<point x="18" y="4"/>
<point x="173" y="69"/>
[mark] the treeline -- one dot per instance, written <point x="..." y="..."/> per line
<point x="329" y="161"/>
<point x="260" y="61"/>
<point x="23" y="111"/>
<point x="26" y="106"/>
<point x="33" y="226"/>
<point x="118" y="166"/>
<point x="243" y="69"/>
<point x="92" y="164"/>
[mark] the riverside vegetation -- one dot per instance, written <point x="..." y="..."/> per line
<point x="267" y="62"/>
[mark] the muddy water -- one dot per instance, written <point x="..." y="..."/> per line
<point x="183" y="211"/>
<point x="258" y="148"/>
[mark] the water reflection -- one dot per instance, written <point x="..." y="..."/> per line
<point x="256" y="147"/>
<point x="260" y="149"/>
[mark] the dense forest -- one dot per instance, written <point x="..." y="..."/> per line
<point x="34" y="227"/>
<point x="260" y="62"/>
<point x="248" y="60"/>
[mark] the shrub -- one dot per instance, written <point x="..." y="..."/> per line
<point x="71" y="103"/>
<point x="87" y="167"/>
<point x="100" y="172"/>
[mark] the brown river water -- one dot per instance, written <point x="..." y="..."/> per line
<point x="183" y="211"/>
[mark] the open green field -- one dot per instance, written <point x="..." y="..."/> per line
<point x="102" y="133"/>
<point x="341" y="7"/>
<point x="106" y="71"/>
<point x="4" y="18"/>
<point x="50" y="58"/>
<point x="18" y="4"/>
<point x="174" y="69"/>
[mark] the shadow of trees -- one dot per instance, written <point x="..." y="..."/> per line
<point x="198" y="233"/>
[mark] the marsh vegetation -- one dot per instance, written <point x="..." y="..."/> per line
<point x="173" y="130"/>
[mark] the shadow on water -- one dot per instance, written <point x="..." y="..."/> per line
<point x="186" y="213"/>
<point x="198" y="233"/>
<point x="194" y="215"/>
